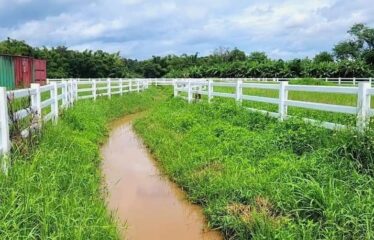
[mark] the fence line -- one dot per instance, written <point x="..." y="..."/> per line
<point x="168" y="81"/>
<point x="362" y="110"/>
<point x="62" y="94"/>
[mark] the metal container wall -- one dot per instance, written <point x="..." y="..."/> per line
<point x="40" y="71"/>
<point x="23" y="70"/>
<point x="7" y="72"/>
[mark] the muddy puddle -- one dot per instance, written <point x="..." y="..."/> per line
<point x="149" y="204"/>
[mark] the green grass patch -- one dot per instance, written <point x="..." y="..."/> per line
<point x="258" y="178"/>
<point x="55" y="191"/>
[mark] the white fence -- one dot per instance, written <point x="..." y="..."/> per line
<point x="362" y="110"/>
<point x="169" y="81"/>
<point x="55" y="96"/>
<point x="64" y="92"/>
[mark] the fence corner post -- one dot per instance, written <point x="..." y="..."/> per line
<point x="4" y="122"/>
<point x="36" y="103"/>
<point x="54" y="106"/>
<point x="283" y="96"/>
<point x="363" y="105"/>
<point x="239" y="91"/>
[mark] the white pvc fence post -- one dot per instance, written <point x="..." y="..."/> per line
<point x="54" y="106"/>
<point x="71" y="92"/>
<point x="326" y="79"/>
<point x="354" y="81"/>
<point x="137" y="85"/>
<point x="283" y="96"/>
<point x="339" y="80"/>
<point x="120" y="86"/>
<point x="130" y="85"/>
<point x="370" y="81"/>
<point x="4" y="121"/>
<point x="175" y="88"/>
<point x="189" y="91"/>
<point x="108" y="85"/>
<point x="65" y="99"/>
<point x="363" y="105"/>
<point x="36" y="103"/>
<point x="210" y="89"/>
<point x="239" y="91"/>
<point x="75" y="82"/>
<point x="94" y="89"/>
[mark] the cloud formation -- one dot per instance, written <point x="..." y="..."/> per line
<point x="142" y="28"/>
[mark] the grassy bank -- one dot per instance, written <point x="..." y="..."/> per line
<point x="54" y="191"/>
<point x="262" y="179"/>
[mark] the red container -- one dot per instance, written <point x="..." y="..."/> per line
<point x="23" y="71"/>
<point x="40" y="71"/>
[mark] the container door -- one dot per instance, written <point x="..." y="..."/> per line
<point x="7" y="72"/>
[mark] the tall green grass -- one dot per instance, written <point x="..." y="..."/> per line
<point x="258" y="178"/>
<point x="55" y="191"/>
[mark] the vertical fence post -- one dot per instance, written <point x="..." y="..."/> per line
<point x="239" y="91"/>
<point x="283" y="96"/>
<point x="94" y="89"/>
<point x="54" y="106"/>
<point x="108" y="85"/>
<point x="130" y="83"/>
<point x="189" y="96"/>
<point x="137" y="85"/>
<point x="339" y="80"/>
<point x="64" y="93"/>
<point x="120" y="86"/>
<point x="175" y="88"/>
<point x="75" y="83"/>
<point x="370" y="81"/>
<point x="210" y="90"/>
<point x="354" y="81"/>
<point x="363" y="105"/>
<point x="4" y="121"/>
<point x="70" y="92"/>
<point x="36" y="103"/>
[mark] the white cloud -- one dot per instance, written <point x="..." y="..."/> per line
<point x="142" y="28"/>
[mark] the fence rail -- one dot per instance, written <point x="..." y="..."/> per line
<point x="62" y="93"/>
<point x="362" y="110"/>
<point x="47" y="101"/>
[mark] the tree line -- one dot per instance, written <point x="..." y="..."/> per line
<point x="353" y="57"/>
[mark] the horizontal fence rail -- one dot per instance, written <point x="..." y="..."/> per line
<point x="45" y="102"/>
<point x="62" y="93"/>
<point x="363" y="91"/>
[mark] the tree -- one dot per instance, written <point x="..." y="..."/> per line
<point x="323" y="57"/>
<point x="15" y="47"/>
<point x="258" y="57"/>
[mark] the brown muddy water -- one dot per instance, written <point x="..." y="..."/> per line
<point x="149" y="204"/>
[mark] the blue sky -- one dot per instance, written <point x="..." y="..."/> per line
<point x="142" y="28"/>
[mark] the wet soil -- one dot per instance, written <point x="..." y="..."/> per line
<point x="151" y="206"/>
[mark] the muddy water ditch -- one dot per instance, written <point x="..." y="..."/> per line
<point x="151" y="206"/>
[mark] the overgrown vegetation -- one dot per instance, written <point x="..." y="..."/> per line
<point x="258" y="178"/>
<point x="54" y="191"/>
<point x="350" y="58"/>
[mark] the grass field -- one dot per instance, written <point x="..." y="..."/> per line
<point x="53" y="190"/>
<point x="263" y="179"/>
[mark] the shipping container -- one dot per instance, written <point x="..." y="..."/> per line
<point x="23" y="70"/>
<point x="7" y="78"/>
<point x="40" y="71"/>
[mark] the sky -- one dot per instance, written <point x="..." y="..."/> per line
<point x="142" y="28"/>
